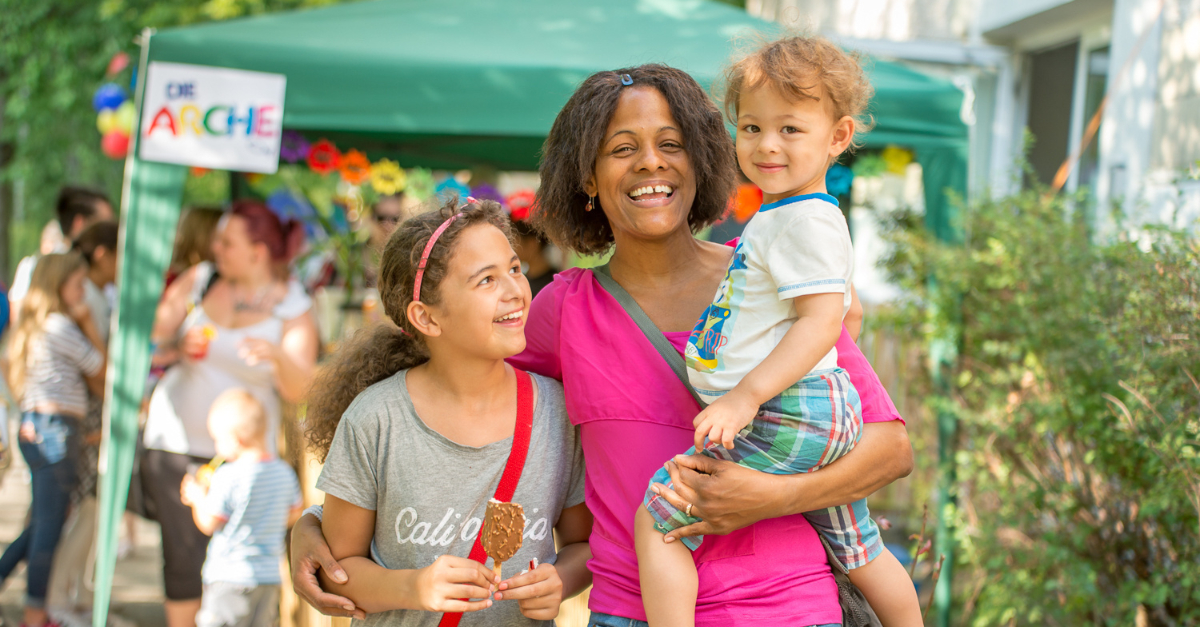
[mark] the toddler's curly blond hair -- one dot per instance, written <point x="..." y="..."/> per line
<point x="800" y="68"/>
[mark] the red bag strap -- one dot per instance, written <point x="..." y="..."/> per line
<point x="512" y="470"/>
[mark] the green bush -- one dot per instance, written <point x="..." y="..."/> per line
<point x="1078" y="493"/>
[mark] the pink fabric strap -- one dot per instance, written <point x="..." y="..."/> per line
<point x="429" y="248"/>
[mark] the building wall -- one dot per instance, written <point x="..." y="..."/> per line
<point x="1176" y="144"/>
<point x="896" y="20"/>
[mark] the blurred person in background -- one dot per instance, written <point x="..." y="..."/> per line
<point x="52" y="238"/>
<point x="239" y="322"/>
<point x="76" y="209"/>
<point x="531" y="247"/>
<point x="193" y="240"/>
<point x="56" y="357"/>
<point x="386" y="214"/>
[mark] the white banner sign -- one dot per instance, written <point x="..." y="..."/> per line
<point x="212" y="117"/>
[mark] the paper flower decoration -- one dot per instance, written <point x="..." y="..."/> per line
<point x="746" y="202"/>
<point x="115" y="144"/>
<point x="109" y="96"/>
<point x="487" y="191"/>
<point x="354" y="167"/>
<point x="520" y="204"/>
<point x="420" y="184"/>
<point x="323" y="157"/>
<point x="838" y="180"/>
<point x="293" y="147"/>
<point x="451" y="187"/>
<point x="896" y="158"/>
<point x="289" y="205"/>
<point x="387" y="177"/>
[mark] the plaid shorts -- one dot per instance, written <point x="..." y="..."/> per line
<point x="810" y="425"/>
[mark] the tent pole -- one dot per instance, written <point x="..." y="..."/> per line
<point x="149" y="209"/>
<point x="944" y="173"/>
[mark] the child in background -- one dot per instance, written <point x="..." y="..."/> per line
<point x="247" y="507"/>
<point x="762" y="356"/>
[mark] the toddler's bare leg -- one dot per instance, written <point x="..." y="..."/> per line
<point x="668" y="576"/>
<point x="889" y="590"/>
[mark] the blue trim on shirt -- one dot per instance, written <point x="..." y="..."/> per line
<point x="795" y="286"/>
<point x="791" y="199"/>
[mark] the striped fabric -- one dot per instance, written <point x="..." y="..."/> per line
<point x="810" y="425"/>
<point x="58" y="361"/>
<point x="254" y="498"/>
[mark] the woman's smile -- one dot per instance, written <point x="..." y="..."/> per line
<point x="655" y="193"/>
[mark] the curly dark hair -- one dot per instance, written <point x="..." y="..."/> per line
<point x="569" y="154"/>
<point x="375" y="354"/>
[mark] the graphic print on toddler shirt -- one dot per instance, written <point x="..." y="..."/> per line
<point x="710" y="333"/>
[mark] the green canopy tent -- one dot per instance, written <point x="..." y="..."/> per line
<point x="457" y="83"/>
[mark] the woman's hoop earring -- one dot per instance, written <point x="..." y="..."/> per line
<point x="588" y="207"/>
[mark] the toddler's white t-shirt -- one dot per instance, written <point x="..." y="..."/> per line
<point x="793" y="247"/>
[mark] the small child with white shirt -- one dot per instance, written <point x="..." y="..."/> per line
<point x="246" y="506"/>
<point x="762" y="356"/>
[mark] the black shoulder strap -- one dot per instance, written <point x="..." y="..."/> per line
<point x="604" y="275"/>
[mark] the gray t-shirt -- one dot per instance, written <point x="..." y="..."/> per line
<point x="429" y="493"/>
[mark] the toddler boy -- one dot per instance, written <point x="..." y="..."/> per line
<point x="246" y="507"/>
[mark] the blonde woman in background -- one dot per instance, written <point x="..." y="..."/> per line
<point x="193" y="240"/>
<point x="56" y="356"/>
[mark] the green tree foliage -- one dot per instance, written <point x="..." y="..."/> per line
<point x="1076" y="387"/>
<point x="53" y="54"/>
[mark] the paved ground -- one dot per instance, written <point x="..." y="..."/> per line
<point x="137" y="586"/>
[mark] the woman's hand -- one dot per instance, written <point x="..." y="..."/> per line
<point x="442" y="586"/>
<point x="254" y="351"/>
<point x="727" y="497"/>
<point x="309" y="553"/>
<point x="724" y="495"/>
<point x="194" y="343"/>
<point x="28" y="433"/>
<point x="81" y="314"/>
<point x="539" y="592"/>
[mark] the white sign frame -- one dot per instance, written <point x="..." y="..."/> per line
<point x="212" y="117"/>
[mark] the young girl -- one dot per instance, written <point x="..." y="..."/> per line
<point x="55" y="356"/>
<point x="418" y="423"/>
<point x="762" y="356"/>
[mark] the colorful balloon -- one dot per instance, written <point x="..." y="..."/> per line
<point x="106" y="121"/>
<point x="115" y="144"/>
<point x="119" y="62"/>
<point x="109" y="96"/>
<point x="126" y="116"/>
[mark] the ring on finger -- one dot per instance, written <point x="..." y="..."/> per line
<point x="688" y="510"/>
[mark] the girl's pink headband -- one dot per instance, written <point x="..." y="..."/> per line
<point x="429" y="247"/>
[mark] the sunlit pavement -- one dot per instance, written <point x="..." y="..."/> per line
<point x="137" y="586"/>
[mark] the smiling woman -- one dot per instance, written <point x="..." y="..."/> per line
<point x="686" y="130"/>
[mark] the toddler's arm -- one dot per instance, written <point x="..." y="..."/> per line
<point x="438" y="587"/>
<point x="812" y="336"/>
<point x="541" y="591"/>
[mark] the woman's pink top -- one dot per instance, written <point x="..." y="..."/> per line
<point x="633" y="416"/>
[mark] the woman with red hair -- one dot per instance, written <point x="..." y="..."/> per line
<point x="239" y="322"/>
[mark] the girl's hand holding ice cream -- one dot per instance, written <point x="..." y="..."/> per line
<point x="538" y="592"/>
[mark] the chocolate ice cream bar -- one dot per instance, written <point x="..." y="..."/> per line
<point x="503" y="526"/>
